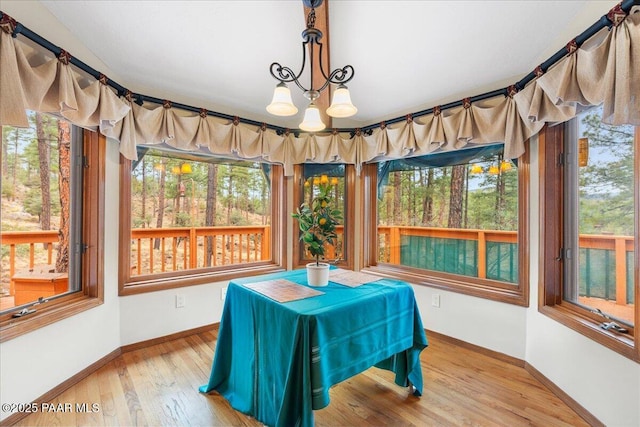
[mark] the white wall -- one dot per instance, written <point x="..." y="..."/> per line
<point x="494" y="325"/>
<point x="152" y="315"/>
<point x="35" y="363"/>
<point x="602" y="381"/>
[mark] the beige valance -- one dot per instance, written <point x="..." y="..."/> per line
<point x="605" y="70"/>
<point x="52" y="87"/>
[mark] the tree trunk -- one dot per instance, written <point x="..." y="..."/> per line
<point x="44" y="153"/>
<point x="176" y="201"/>
<point x="397" y="199"/>
<point x="500" y="201"/>
<point x="442" y="197"/>
<point x="229" y="198"/>
<point x="64" y="182"/>
<point x="466" y="197"/>
<point x="427" y="205"/>
<point x="185" y="199"/>
<point x="455" y="196"/>
<point x="15" y="167"/>
<point x="264" y="203"/>
<point x="5" y="154"/>
<point x="144" y="195"/>
<point x="212" y="201"/>
<point x="161" y="186"/>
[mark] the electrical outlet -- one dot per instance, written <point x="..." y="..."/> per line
<point x="223" y="293"/>
<point x="435" y="300"/>
<point x="181" y="301"/>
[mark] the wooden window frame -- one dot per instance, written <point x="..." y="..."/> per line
<point x="130" y="285"/>
<point x="517" y="294"/>
<point x="550" y="298"/>
<point x="348" y="218"/>
<point x="92" y="271"/>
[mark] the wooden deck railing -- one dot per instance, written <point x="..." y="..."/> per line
<point x="620" y="246"/>
<point x="184" y="248"/>
<point x="177" y="248"/>
<point x="390" y="249"/>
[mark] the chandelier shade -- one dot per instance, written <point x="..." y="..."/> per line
<point x="281" y="103"/>
<point x="312" y="121"/>
<point x="341" y="105"/>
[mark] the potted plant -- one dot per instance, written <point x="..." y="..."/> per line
<point x="317" y="221"/>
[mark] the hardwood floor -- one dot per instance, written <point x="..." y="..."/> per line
<point x="158" y="385"/>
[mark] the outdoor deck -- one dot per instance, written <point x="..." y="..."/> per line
<point x="606" y="271"/>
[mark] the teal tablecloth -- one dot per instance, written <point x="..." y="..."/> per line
<point x="276" y="361"/>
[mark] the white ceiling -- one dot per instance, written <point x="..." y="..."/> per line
<point x="408" y="55"/>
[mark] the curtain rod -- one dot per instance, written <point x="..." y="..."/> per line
<point x="605" y="21"/>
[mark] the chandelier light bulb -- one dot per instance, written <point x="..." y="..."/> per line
<point x="312" y="121"/>
<point x="281" y="104"/>
<point x="341" y="105"/>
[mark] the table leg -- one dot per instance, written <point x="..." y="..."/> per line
<point x="412" y="389"/>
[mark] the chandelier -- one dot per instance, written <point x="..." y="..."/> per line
<point x="282" y="105"/>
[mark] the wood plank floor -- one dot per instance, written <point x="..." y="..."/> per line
<point x="158" y="386"/>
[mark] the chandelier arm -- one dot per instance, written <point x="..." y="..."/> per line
<point x="339" y="76"/>
<point x="304" y="63"/>
<point x="321" y="64"/>
<point x="285" y="74"/>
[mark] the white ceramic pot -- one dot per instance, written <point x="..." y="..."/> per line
<point x="318" y="274"/>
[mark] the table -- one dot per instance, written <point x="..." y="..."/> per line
<point x="276" y="361"/>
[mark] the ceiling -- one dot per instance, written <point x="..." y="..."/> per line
<point x="408" y="55"/>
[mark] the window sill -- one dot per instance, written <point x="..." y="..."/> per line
<point x="148" y="283"/>
<point x="573" y="319"/>
<point x="45" y="315"/>
<point x="487" y="289"/>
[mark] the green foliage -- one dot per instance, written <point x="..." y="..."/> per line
<point x="318" y="220"/>
<point x="183" y="219"/>
<point x="8" y="191"/>
<point x="238" y="219"/>
<point x="490" y="201"/>
<point x="33" y="202"/>
<point x="141" y="222"/>
<point x="606" y="184"/>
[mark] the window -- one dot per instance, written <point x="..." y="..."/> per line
<point x="188" y="218"/>
<point x="51" y="223"/>
<point x="342" y="178"/>
<point x="590" y="229"/>
<point x="451" y="220"/>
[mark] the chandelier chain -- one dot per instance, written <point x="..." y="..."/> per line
<point x="311" y="19"/>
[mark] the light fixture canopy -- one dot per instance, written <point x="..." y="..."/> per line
<point x="341" y="105"/>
